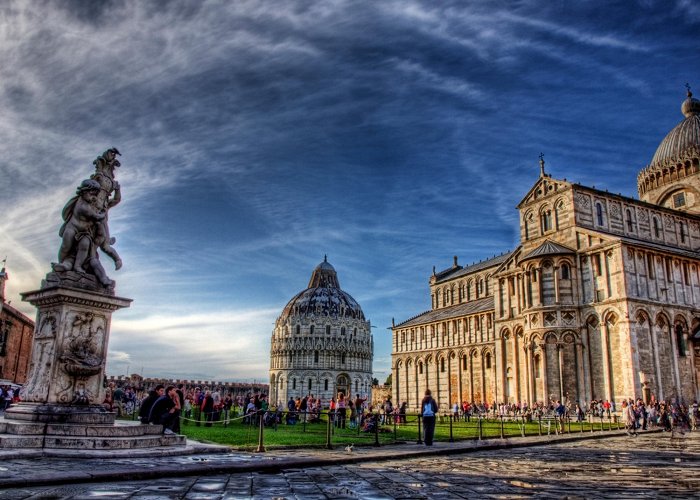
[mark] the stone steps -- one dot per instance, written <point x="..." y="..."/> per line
<point x="90" y="443"/>
<point x="19" y="434"/>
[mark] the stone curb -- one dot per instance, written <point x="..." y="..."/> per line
<point x="85" y="470"/>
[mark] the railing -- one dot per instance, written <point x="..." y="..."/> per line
<point x="261" y="430"/>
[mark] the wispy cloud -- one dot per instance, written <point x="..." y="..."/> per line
<point x="258" y="136"/>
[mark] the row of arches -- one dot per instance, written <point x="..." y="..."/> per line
<point x="654" y="177"/>
<point x="605" y="358"/>
<point x="540" y="283"/>
<point x="461" y="291"/>
<point x="322" y="384"/>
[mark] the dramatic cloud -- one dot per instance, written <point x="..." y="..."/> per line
<point x="258" y="136"/>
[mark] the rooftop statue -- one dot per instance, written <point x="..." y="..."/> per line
<point x="85" y="227"/>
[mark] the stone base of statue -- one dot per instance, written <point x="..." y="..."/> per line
<point x="61" y="404"/>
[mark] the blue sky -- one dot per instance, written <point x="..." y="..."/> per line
<point x="258" y="136"/>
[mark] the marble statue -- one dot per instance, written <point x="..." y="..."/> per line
<point x="85" y="228"/>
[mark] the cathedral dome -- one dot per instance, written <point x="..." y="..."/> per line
<point x="323" y="297"/>
<point x="683" y="137"/>
<point x="671" y="179"/>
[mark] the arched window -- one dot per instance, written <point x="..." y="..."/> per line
<point x="342" y="358"/>
<point x="599" y="213"/>
<point x="488" y="361"/>
<point x="464" y="362"/>
<point x="657" y="228"/>
<point x="294" y="383"/>
<point x="342" y="330"/>
<point x="328" y="329"/>
<point x="680" y="342"/>
<point x="442" y="365"/>
<point x="325" y="384"/>
<point x="315" y="356"/>
<point x="546" y="220"/>
<point x="630" y="224"/>
<point x="309" y="385"/>
<point x="311" y="330"/>
<point x="565" y="272"/>
<point x="298" y="329"/>
<point x="420" y="368"/>
<point x="537" y="366"/>
<point x="683" y="231"/>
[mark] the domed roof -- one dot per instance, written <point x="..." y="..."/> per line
<point x="683" y="137"/>
<point x="323" y="297"/>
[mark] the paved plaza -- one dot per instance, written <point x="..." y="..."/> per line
<point x="651" y="465"/>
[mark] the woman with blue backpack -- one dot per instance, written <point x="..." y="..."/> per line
<point x="428" y="411"/>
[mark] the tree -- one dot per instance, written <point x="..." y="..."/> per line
<point x="375" y="381"/>
<point x="388" y="380"/>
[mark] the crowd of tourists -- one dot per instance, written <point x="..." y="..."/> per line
<point x="211" y="406"/>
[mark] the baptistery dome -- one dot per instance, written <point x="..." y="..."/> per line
<point x="322" y="344"/>
<point x="671" y="178"/>
<point x="323" y="297"/>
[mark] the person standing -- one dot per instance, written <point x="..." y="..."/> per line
<point x="207" y="408"/>
<point x="181" y="399"/>
<point x="429" y="409"/>
<point x="341" y="410"/>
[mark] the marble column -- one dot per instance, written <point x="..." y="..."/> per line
<point x="605" y="347"/>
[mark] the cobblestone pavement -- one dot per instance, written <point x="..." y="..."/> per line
<point x="647" y="466"/>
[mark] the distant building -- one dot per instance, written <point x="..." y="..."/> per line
<point x="144" y="384"/>
<point x="16" y="334"/>
<point x="322" y="344"/>
<point x="599" y="301"/>
<point x="380" y="393"/>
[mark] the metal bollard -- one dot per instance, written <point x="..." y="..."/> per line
<point x="376" y="430"/>
<point x="601" y="423"/>
<point x="261" y="447"/>
<point x="452" y="440"/>
<point x="481" y="432"/>
<point x="502" y="434"/>
<point x="328" y="433"/>
<point x="419" y="418"/>
<point x="539" y="424"/>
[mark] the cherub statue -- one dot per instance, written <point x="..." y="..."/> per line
<point x="80" y="232"/>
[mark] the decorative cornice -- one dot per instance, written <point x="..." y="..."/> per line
<point x="60" y="295"/>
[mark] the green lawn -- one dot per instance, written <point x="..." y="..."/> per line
<point x="246" y="437"/>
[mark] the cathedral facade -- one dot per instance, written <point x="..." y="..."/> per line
<point x="322" y="344"/>
<point x="600" y="300"/>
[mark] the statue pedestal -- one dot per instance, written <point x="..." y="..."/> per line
<point x="69" y="352"/>
<point x="62" y="401"/>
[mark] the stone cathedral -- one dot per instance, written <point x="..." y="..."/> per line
<point x="600" y="300"/>
<point x="322" y="344"/>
